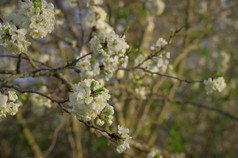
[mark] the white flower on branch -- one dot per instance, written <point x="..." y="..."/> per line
<point x="37" y="17"/>
<point x="95" y="16"/>
<point x="13" y="39"/>
<point x="109" y="44"/>
<point x="216" y="84"/>
<point x="88" y="66"/>
<point x="158" y="44"/>
<point x="124" y="139"/>
<point x="88" y="99"/>
<point x="106" y="116"/>
<point x="113" y="49"/>
<point x="8" y="104"/>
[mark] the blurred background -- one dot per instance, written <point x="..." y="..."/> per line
<point x="175" y="118"/>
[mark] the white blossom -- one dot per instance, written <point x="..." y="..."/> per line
<point x="13" y="39"/>
<point x="113" y="49"/>
<point x="124" y="139"/>
<point x="37" y="17"/>
<point x="88" y="66"/>
<point x="107" y="114"/>
<point x="103" y="27"/>
<point x="158" y="44"/>
<point x="124" y="61"/>
<point x="110" y="66"/>
<point x="160" y="62"/>
<point x="88" y="99"/>
<point x="216" y="84"/>
<point x="8" y="104"/>
<point x="95" y="16"/>
<point x="12" y="96"/>
<point x="109" y="44"/>
<point x="94" y="2"/>
<point x="100" y="122"/>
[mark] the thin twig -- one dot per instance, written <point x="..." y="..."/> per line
<point x="32" y="91"/>
<point x="161" y="49"/>
<point x="16" y="57"/>
<point x="50" y="149"/>
<point x="69" y="65"/>
<point x="168" y="76"/>
<point x="208" y="108"/>
<point x="31" y="61"/>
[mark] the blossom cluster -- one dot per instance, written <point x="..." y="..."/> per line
<point x="113" y="49"/>
<point x="88" y="66"/>
<point x="214" y="84"/>
<point x="106" y="116"/>
<point x="109" y="44"/>
<point x="96" y="17"/>
<point x="12" y="38"/>
<point x="158" y="44"/>
<point x="32" y="18"/>
<point x="159" y="63"/>
<point x="88" y="99"/>
<point x="37" y="17"/>
<point x="8" y="104"/>
<point x="109" y="47"/>
<point x="124" y="139"/>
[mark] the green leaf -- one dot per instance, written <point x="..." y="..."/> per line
<point x="93" y="84"/>
<point x="217" y="75"/>
<point x="126" y="29"/>
<point x="6" y="36"/>
<point x="157" y="156"/>
<point x="100" y="90"/>
<point x="92" y="61"/>
<point x="37" y="4"/>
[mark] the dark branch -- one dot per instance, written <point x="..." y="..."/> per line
<point x="32" y="91"/>
<point x="168" y="76"/>
<point x="208" y="108"/>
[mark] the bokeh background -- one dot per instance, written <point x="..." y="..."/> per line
<point x="176" y="118"/>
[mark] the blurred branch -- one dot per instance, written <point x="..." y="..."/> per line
<point x="208" y="108"/>
<point x="168" y="76"/>
<point x="69" y="65"/>
<point x="161" y="49"/>
<point x="53" y="143"/>
<point x="31" y="61"/>
<point x="16" y="57"/>
<point x="28" y="136"/>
